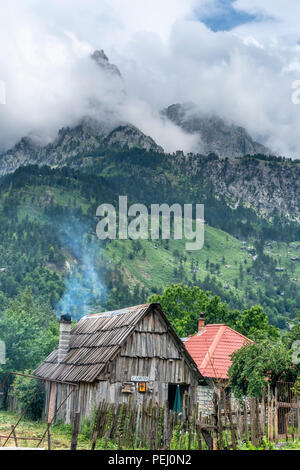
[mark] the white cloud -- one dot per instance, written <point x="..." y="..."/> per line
<point x="279" y="9"/>
<point x="165" y="57"/>
<point x="278" y="20"/>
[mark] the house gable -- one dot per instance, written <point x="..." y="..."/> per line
<point x="152" y="350"/>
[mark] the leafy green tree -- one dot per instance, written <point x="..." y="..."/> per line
<point x="256" y="365"/>
<point x="297" y="386"/>
<point x="30" y="332"/>
<point x="183" y="306"/>
<point x="24" y="389"/>
<point x="294" y="334"/>
<point x="254" y="324"/>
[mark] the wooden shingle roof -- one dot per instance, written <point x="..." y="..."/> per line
<point x="96" y="340"/>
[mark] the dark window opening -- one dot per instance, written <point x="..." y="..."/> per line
<point x="172" y="392"/>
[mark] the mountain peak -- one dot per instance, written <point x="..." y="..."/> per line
<point x="217" y="136"/>
<point x="102" y="60"/>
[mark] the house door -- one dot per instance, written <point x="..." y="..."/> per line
<point x="172" y="390"/>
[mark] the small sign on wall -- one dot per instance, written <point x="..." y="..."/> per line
<point x="128" y="387"/>
<point x="142" y="387"/>
<point x="140" y="379"/>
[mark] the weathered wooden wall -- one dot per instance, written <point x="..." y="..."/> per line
<point x="59" y="393"/>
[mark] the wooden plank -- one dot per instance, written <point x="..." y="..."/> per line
<point x="225" y="418"/>
<point x="252" y="421"/>
<point x="269" y="414"/>
<point x="263" y="413"/>
<point x="276" y="416"/>
<point x="166" y="427"/>
<point x="290" y="406"/>
<point x="272" y="420"/>
<point x="239" y="423"/>
<point x="257" y="423"/>
<point x="215" y="421"/>
<point x="232" y="431"/>
<point x="208" y="439"/>
<point x="138" y="422"/>
<point x="220" y="425"/>
<point x="246" y="421"/>
<point x="51" y="407"/>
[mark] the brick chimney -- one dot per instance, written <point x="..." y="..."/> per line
<point x="201" y="322"/>
<point x="64" y="337"/>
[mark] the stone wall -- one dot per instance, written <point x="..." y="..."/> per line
<point x="205" y="399"/>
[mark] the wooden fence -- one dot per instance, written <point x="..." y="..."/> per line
<point x="126" y="426"/>
<point x="230" y="425"/>
<point x="283" y="419"/>
<point x="154" y="428"/>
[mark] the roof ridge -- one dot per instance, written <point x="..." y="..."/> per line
<point x="212" y="347"/>
<point x="240" y="334"/>
<point x="230" y="328"/>
<point x="111" y="312"/>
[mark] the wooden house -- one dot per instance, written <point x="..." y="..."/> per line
<point x="132" y="355"/>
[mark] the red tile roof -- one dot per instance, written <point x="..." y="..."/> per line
<point x="212" y="347"/>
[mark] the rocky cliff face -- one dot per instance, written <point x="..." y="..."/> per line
<point x="23" y="153"/>
<point x="216" y="136"/>
<point x="131" y="137"/>
<point x="268" y="186"/>
<point x="271" y="187"/>
<point x="71" y="142"/>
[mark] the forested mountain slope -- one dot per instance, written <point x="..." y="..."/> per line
<point x="248" y="258"/>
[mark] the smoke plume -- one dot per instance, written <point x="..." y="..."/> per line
<point x="85" y="290"/>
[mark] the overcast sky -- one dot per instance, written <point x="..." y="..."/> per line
<point x="235" y="58"/>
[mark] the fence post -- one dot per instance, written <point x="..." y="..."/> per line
<point x="272" y="420"/>
<point x="252" y="421"/>
<point x="286" y="427"/>
<point x="269" y="414"/>
<point x="239" y="423"/>
<point x="14" y="435"/>
<point x="137" y="431"/>
<point x="75" y="431"/>
<point x="49" y="440"/>
<point x="257" y="422"/>
<point x="276" y="415"/>
<point x="233" y="437"/>
<point x="96" y="426"/>
<point x="166" y="427"/>
<point x="215" y="421"/>
<point x="246" y="421"/>
<point x="220" y="425"/>
<point x="263" y="413"/>
<point x="226" y="420"/>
